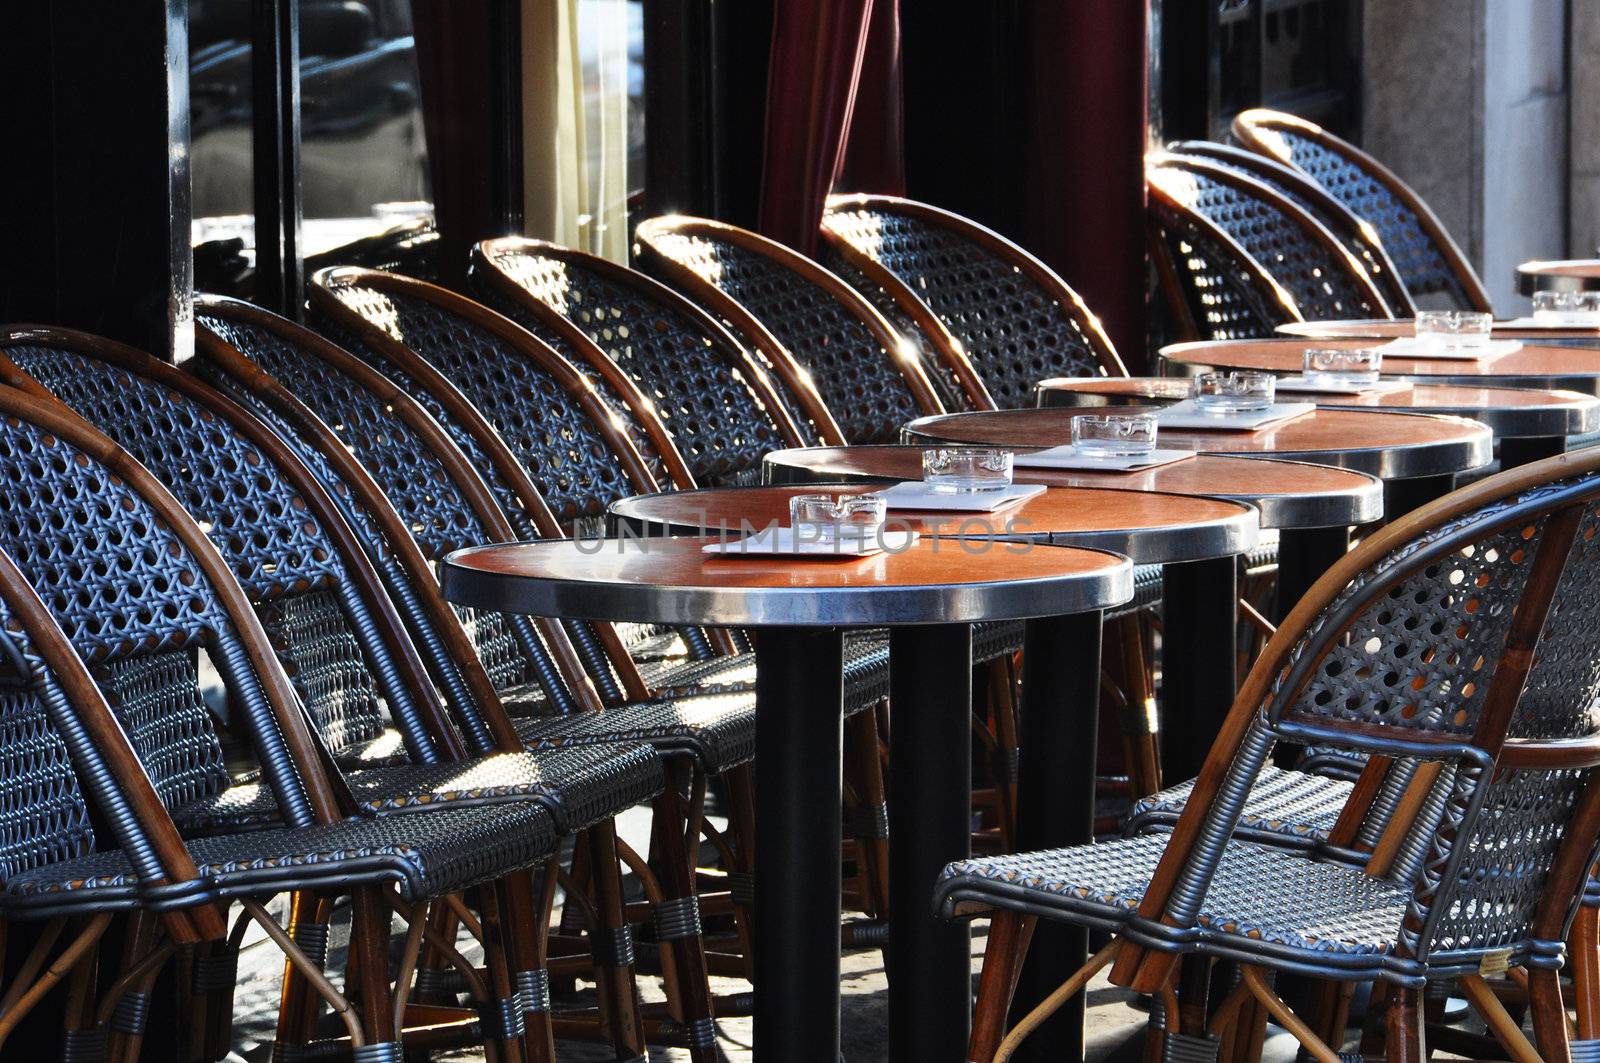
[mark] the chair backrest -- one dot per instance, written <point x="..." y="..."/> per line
<point x="1016" y="321"/>
<point x="1213" y="287"/>
<point x="138" y="587"/>
<point x="853" y="376"/>
<point x="380" y="446"/>
<point x="330" y="621"/>
<point x="63" y="751"/>
<point x="1355" y="233"/>
<point x="680" y="372"/>
<point x="1461" y="636"/>
<point x="1429" y="261"/>
<point x="1326" y="279"/>
<point x="565" y="434"/>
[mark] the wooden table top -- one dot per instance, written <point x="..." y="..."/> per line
<point x="1393" y="329"/>
<point x="1514" y="412"/>
<point x="1563" y="275"/>
<point x="1534" y="366"/>
<point x="1387" y="445"/>
<point x="1288" y="494"/>
<point x="1150" y="528"/>
<point x="672" y="581"/>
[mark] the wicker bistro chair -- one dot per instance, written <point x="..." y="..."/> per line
<point x="138" y="588"/>
<point x="679" y="373"/>
<point x="71" y="755"/>
<point x="1459" y="638"/>
<point x="855" y="377"/>
<point x="1324" y="278"/>
<point x="1010" y="316"/>
<point x="1355" y="233"/>
<point x="225" y="464"/>
<point x="1431" y="265"/>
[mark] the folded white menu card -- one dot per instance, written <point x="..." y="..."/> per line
<point x="1421" y="347"/>
<point x="1559" y="319"/>
<point x="1068" y="458"/>
<point x="1300" y="383"/>
<point x="785" y="542"/>
<point x="917" y="495"/>
<point x="1186" y="414"/>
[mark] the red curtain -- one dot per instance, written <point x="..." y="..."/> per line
<point x="874" y="156"/>
<point x="817" y="53"/>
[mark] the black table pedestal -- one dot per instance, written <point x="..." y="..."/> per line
<point x="1200" y="621"/>
<point x="1303" y="556"/>
<point x="799" y="746"/>
<point x="1055" y="805"/>
<point x="930" y="815"/>
<point x="1520" y="451"/>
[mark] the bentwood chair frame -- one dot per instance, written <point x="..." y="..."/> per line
<point x="1354" y="232"/>
<point x="1457" y="638"/>
<point x="710" y="408"/>
<point x="1327" y="279"/>
<point x="830" y="340"/>
<point x="980" y="299"/>
<point x="378" y="421"/>
<point x="169" y="554"/>
<point x="579" y="793"/>
<point x="1429" y="260"/>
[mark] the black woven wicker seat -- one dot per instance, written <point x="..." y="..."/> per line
<point x="1260" y="896"/>
<point x="1011" y="316"/>
<point x="856" y="375"/>
<point x="1284" y="805"/>
<point x="446" y="851"/>
<point x="1433" y="268"/>
<point x="1453" y="650"/>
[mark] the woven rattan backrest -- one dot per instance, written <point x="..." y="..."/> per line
<point x="1213" y="287"/>
<point x="561" y="431"/>
<point x="1459" y="637"/>
<point x="1430" y="263"/>
<point x="851" y="373"/>
<point x="101" y="544"/>
<point x="295" y="379"/>
<point x="687" y="372"/>
<point x="262" y="521"/>
<point x="1017" y="322"/>
<point x="1327" y="281"/>
<point x="1355" y="233"/>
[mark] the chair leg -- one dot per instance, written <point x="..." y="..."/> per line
<point x="1405" y="1040"/>
<point x="370" y="926"/>
<point x="1550" y="1030"/>
<point x="615" y="986"/>
<point x="297" y="1002"/>
<point x="501" y="1015"/>
<point x="677" y="916"/>
<point x="864" y="770"/>
<point x="1003" y="714"/>
<point x="741" y="878"/>
<point x="1583" y="946"/>
<point x="997" y="982"/>
<point x="1140" y="731"/>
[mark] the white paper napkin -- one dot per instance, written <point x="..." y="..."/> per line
<point x="1068" y="458"/>
<point x="1299" y="383"/>
<point x="1186" y="414"/>
<point x="917" y="495"/>
<point x="1561" y="319"/>
<point x="785" y="542"/>
<point x="1419" y="347"/>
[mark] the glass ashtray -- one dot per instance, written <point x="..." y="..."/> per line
<point x="961" y="470"/>
<point x="1236" y="392"/>
<point x="1114" y="435"/>
<point x="831" y="518"/>
<point x="1455" y="329"/>
<point x="1342" y="366"/>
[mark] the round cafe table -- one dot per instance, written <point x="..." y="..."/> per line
<point x="1544" y="366"/>
<point x="1399" y="328"/>
<point x="1559" y="275"/>
<point x="928" y="595"/>
<point x="1535" y="422"/>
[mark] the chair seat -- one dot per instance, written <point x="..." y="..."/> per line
<point x="718" y="729"/>
<point x="1260" y="895"/>
<point x="579" y="787"/>
<point x="866" y="672"/>
<point x="1283" y="806"/>
<point x="427" y="855"/>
